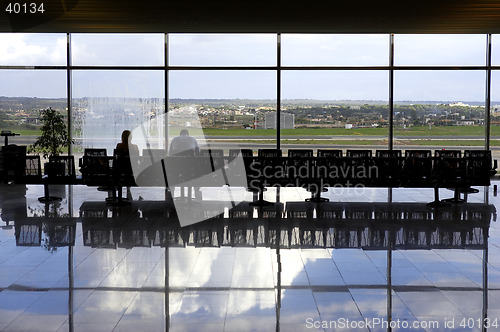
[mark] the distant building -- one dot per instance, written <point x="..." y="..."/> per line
<point x="465" y="123"/>
<point x="287" y="121"/>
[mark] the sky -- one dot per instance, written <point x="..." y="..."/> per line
<point x="249" y="50"/>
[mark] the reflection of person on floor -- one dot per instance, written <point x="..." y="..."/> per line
<point x="126" y="146"/>
<point x="185" y="145"/>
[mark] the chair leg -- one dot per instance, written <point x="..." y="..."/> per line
<point x="316" y="197"/>
<point x="46" y="198"/>
<point x="456" y="198"/>
<point x="261" y="201"/>
<point x="436" y="201"/>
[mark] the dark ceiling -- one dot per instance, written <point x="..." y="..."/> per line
<point x="346" y="16"/>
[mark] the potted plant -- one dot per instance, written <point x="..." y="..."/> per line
<point x="54" y="138"/>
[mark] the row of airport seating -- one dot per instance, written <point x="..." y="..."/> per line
<point x="268" y="167"/>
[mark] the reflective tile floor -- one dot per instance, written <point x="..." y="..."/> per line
<point x="367" y="260"/>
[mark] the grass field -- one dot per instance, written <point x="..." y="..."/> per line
<point x="413" y="131"/>
<point x="398" y="132"/>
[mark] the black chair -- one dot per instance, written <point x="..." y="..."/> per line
<point x="210" y="170"/>
<point x="95" y="152"/>
<point x="179" y="169"/>
<point x="122" y="176"/>
<point x="328" y="168"/>
<point x="300" y="166"/>
<point x="417" y="169"/>
<point x="268" y="168"/>
<point x="479" y="167"/>
<point x="12" y="162"/>
<point x="97" y="170"/>
<point x="327" y="153"/>
<point x="31" y="172"/>
<point x="449" y="171"/>
<point x="359" y="167"/>
<point x="59" y="170"/>
<point x="389" y="168"/>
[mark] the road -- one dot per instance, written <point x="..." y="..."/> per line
<point x="27" y="140"/>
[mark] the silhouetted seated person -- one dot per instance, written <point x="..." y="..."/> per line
<point x="126" y="144"/>
<point x="126" y="149"/>
<point x="186" y="146"/>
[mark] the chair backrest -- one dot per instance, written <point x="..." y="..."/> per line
<point x="448" y="153"/>
<point x="300" y="153"/>
<point x="418" y="154"/>
<point x="31" y="173"/>
<point x="121" y="162"/>
<point x="185" y="153"/>
<point x="155" y="153"/>
<point x="388" y="153"/>
<point x="243" y="152"/>
<point x="68" y="168"/>
<point x="329" y="153"/>
<point x="270" y="153"/>
<point x="477" y="154"/>
<point x="95" y="152"/>
<point x="359" y="153"/>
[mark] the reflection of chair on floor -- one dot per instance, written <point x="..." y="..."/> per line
<point x="208" y="234"/>
<point x="28" y="233"/>
<point x="312" y="234"/>
<point x="243" y="229"/>
<point x="136" y="235"/>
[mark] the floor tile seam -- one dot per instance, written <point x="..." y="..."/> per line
<point x="451" y="263"/>
<point x="154" y="267"/>
<point x="415" y="267"/>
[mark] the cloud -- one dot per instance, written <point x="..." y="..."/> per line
<point x="20" y="49"/>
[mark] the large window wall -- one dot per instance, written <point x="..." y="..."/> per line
<point x="330" y="90"/>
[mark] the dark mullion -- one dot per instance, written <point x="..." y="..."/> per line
<point x="487" y="116"/>
<point x="69" y="93"/>
<point x="167" y="101"/>
<point x="391" y="92"/>
<point x="278" y="92"/>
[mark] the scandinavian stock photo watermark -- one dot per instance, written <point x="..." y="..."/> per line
<point x="383" y="323"/>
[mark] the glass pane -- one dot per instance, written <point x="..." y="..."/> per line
<point x="222" y="49"/>
<point x="118" y="49"/>
<point x="107" y="102"/>
<point x="336" y="109"/>
<point x="439" y="109"/>
<point x="335" y="50"/>
<point x="225" y="104"/>
<point x="24" y="94"/>
<point x="495" y="114"/>
<point x="439" y="50"/>
<point x="495" y="50"/>
<point x="32" y="49"/>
